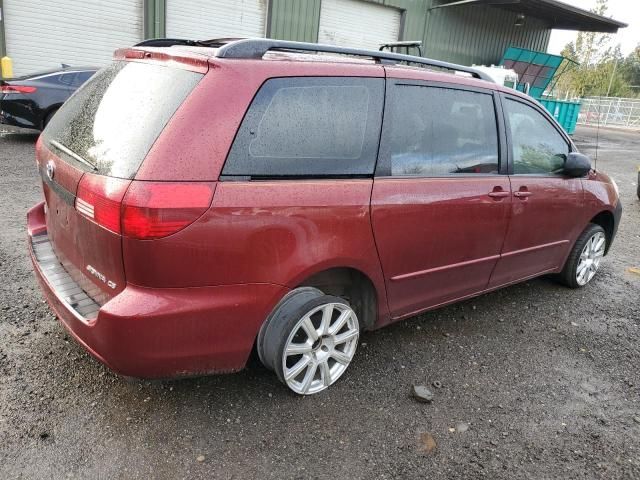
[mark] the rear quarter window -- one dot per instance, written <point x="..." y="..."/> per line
<point x="112" y="121"/>
<point x="310" y="126"/>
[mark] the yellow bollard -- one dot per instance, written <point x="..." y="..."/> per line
<point x="6" y="67"/>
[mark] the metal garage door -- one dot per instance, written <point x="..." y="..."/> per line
<point x="43" y="35"/>
<point x="206" y="19"/>
<point x="352" y="23"/>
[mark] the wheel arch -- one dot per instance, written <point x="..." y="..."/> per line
<point x="607" y="221"/>
<point x="50" y="109"/>
<point x="351" y="284"/>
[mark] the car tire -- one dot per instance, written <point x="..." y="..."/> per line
<point x="48" y="118"/>
<point x="310" y="340"/>
<point x="295" y="297"/>
<point x="584" y="259"/>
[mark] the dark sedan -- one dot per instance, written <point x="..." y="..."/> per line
<point x="29" y="102"/>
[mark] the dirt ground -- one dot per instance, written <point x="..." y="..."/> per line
<point x="537" y="381"/>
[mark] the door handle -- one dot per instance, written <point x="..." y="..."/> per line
<point x="522" y="194"/>
<point x="498" y="194"/>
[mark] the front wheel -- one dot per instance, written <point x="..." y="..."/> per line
<point x="310" y="343"/>
<point x="585" y="257"/>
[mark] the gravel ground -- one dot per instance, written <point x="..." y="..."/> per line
<point x="537" y="381"/>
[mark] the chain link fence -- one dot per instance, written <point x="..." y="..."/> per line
<point x="610" y="112"/>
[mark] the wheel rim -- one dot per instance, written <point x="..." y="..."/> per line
<point x="590" y="258"/>
<point x="320" y="348"/>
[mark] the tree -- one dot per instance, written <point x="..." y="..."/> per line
<point x="630" y="70"/>
<point x="601" y="68"/>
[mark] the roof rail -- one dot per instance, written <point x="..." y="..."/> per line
<point x="170" y="42"/>
<point x="256" y="48"/>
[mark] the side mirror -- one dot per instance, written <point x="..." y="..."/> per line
<point x="577" y="165"/>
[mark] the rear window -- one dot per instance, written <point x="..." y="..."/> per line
<point x="313" y="126"/>
<point x="109" y="125"/>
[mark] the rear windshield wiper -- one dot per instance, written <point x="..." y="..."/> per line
<point x="74" y="155"/>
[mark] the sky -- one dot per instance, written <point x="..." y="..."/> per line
<point x="627" y="11"/>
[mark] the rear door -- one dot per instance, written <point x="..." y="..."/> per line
<point x="440" y="204"/>
<point x="89" y="153"/>
<point x="547" y="206"/>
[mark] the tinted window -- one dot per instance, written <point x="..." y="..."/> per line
<point x="81" y="77"/>
<point x="439" y="131"/>
<point x="66" y="78"/>
<point x="115" y="118"/>
<point x="59" y="80"/>
<point x="537" y="146"/>
<point x="310" y="126"/>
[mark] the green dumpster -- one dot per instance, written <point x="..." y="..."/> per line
<point x="565" y="112"/>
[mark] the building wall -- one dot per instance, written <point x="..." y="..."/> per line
<point x="479" y="34"/>
<point x="43" y="35"/>
<point x="3" y="46"/>
<point x="464" y="34"/>
<point x="294" y="20"/>
<point x="154" y="17"/>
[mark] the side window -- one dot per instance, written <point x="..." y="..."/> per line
<point x="81" y="77"/>
<point x="537" y="146"/>
<point x="66" y="78"/>
<point x="441" y="131"/>
<point x="309" y="126"/>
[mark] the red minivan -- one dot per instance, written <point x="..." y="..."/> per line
<point x="206" y="198"/>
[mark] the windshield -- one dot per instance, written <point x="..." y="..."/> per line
<point x="109" y="125"/>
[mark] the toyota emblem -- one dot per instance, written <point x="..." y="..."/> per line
<point x="51" y="170"/>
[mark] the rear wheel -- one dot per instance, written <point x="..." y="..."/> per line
<point x="310" y="340"/>
<point x="584" y="259"/>
<point x="289" y="302"/>
<point x="48" y="118"/>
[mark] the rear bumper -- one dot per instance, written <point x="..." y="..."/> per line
<point x="163" y="333"/>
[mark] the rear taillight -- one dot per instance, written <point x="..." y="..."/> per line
<point x="17" y="89"/>
<point x="143" y="210"/>
<point x="158" y="209"/>
<point x="99" y="198"/>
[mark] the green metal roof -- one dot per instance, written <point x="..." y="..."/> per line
<point x="556" y="14"/>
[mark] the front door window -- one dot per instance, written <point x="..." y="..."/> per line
<point x="538" y="148"/>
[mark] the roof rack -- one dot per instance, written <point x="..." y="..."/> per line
<point x="166" y="42"/>
<point x="170" y="42"/>
<point x="251" y="48"/>
<point x="256" y="48"/>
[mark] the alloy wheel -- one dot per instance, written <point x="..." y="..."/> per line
<point x="590" y="257"/>
<point x="320" y="348"/>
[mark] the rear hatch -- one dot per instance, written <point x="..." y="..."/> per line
<point x="88" y="155"/>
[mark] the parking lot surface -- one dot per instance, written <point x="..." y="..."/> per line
<point x="536" y="381"/>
